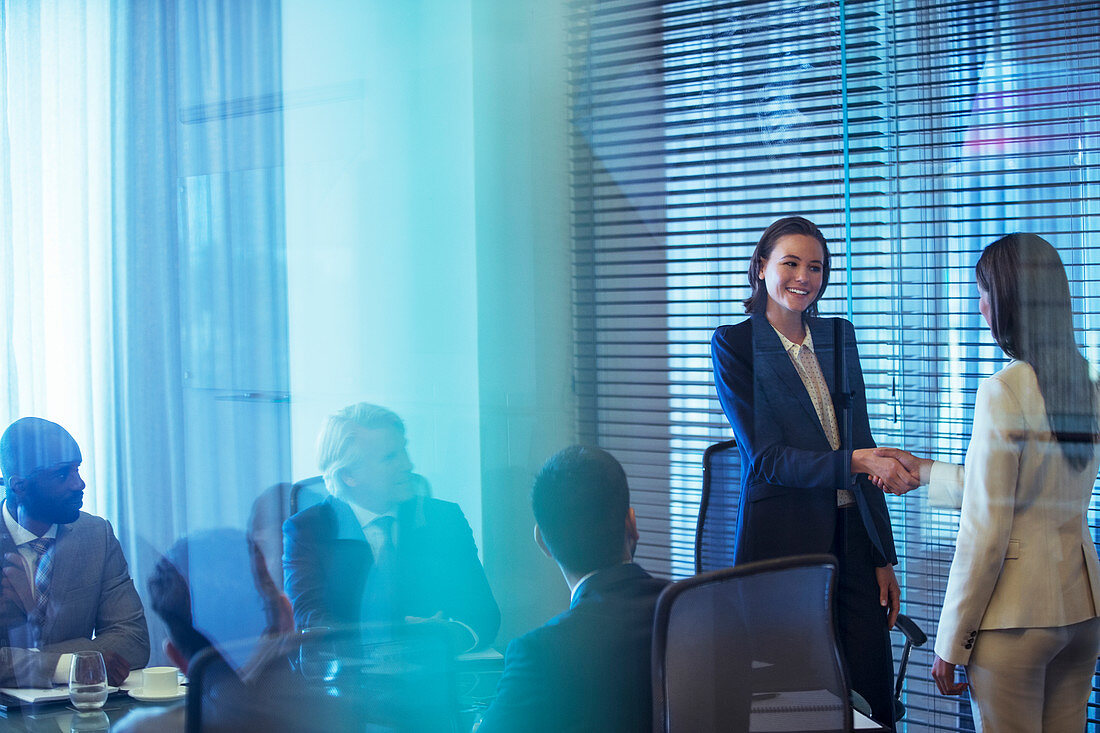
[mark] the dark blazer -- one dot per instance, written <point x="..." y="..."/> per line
<point x="326" y="560"/>
<point x="789" y="473"/>
<point x="91" y="594"/>
<point x="586" y="669"/>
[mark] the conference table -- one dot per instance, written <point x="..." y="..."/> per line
<point x="63" y="718"/>
<point x="476" y="677"/>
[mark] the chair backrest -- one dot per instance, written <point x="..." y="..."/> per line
<point x="750" y="648"/>
<point x="716" y="527"/>
<point x="306" y="493"/>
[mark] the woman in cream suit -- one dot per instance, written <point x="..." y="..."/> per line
<point x="1024" y="588"/>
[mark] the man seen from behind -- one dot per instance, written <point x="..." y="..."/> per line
<point x="587" y="669"/>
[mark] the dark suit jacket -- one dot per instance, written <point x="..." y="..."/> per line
<point x="327" y="559"/>
<point x="587" y="669"/>
<point x="789" y="473"/>
<point x="91" y="593"/>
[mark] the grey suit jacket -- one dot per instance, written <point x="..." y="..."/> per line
<point x="93" y="606"/>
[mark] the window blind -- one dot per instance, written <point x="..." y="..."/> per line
<point x="914" y="134"/>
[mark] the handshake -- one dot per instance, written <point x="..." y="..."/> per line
<point x="891" y="469"/>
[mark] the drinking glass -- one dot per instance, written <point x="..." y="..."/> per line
<point x="317" y="658"/>
<point x="87" y="681"/>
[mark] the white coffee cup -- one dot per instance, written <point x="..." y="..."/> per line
<point x="160" y="681"/>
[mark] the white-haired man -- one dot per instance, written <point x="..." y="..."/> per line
<point x="374" y="552"/>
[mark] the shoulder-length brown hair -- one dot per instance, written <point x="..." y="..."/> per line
<point x="1031" y="318"/>
<point x="758" y="301"/>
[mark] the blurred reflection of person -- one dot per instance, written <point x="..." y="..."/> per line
<point x="66" y="586"/>
<point x="374" y="551"/>
<point x="1023" y="593"/>
<point x="215" y="596"/>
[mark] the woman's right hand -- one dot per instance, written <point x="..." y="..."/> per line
<point x="892" y="475"/>
<point x="943" y="673"/>
<point x="919" y="467"/>
<point x="912" y="463"/>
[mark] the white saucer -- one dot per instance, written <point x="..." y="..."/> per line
<point x="138" y="693"/>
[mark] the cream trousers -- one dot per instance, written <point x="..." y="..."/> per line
<point x="1032" y="680"/>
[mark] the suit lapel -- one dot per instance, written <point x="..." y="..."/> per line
<point x="775" y="370"/>
<point x="7" y="544"/>
<point x="10" y="636"/>
<point x="347" y="524"/>
<point x="61" y="577"/>
<point x="350" y="549"/>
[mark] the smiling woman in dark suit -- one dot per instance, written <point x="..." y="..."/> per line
<point x="803" y="490"/>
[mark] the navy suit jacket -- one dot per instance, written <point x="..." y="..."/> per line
<point x="587" y="669"/>
<point x="789" y="473"/>
<point x="327" y="559"/>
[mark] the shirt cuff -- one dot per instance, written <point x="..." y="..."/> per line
<point x="61" y="671"/>
<point x="945" y="485"/>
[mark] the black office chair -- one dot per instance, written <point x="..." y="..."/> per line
<point x="750" y="648"/>
<point x="716" y="526"/>
<point x="716" y="530"/>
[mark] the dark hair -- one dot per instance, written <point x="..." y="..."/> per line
<point x="213" y="587"/>
<point x="171" y="599"/>
<point x="580" y="500"/>
<point x="1031" y="318"/>
<point x="757" y="302"/>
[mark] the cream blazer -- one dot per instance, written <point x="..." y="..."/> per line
<point x="1024" y="557"/>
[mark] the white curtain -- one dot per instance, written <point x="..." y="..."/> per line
<point x="55" y="225"/>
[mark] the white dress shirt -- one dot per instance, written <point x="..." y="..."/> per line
<point x="375" y="536"/>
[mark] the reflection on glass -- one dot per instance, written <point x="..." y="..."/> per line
<point x="93" y="722"/>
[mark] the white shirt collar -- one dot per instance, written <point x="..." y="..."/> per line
<point x="807" y="343"/>
<point x="577" y="587"/>
<point x="364" y="516"/>
<point x="20" y="535"/>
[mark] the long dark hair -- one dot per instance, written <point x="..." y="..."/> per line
<point x="758" y="301"/>
<point x="1032" y="320"/>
